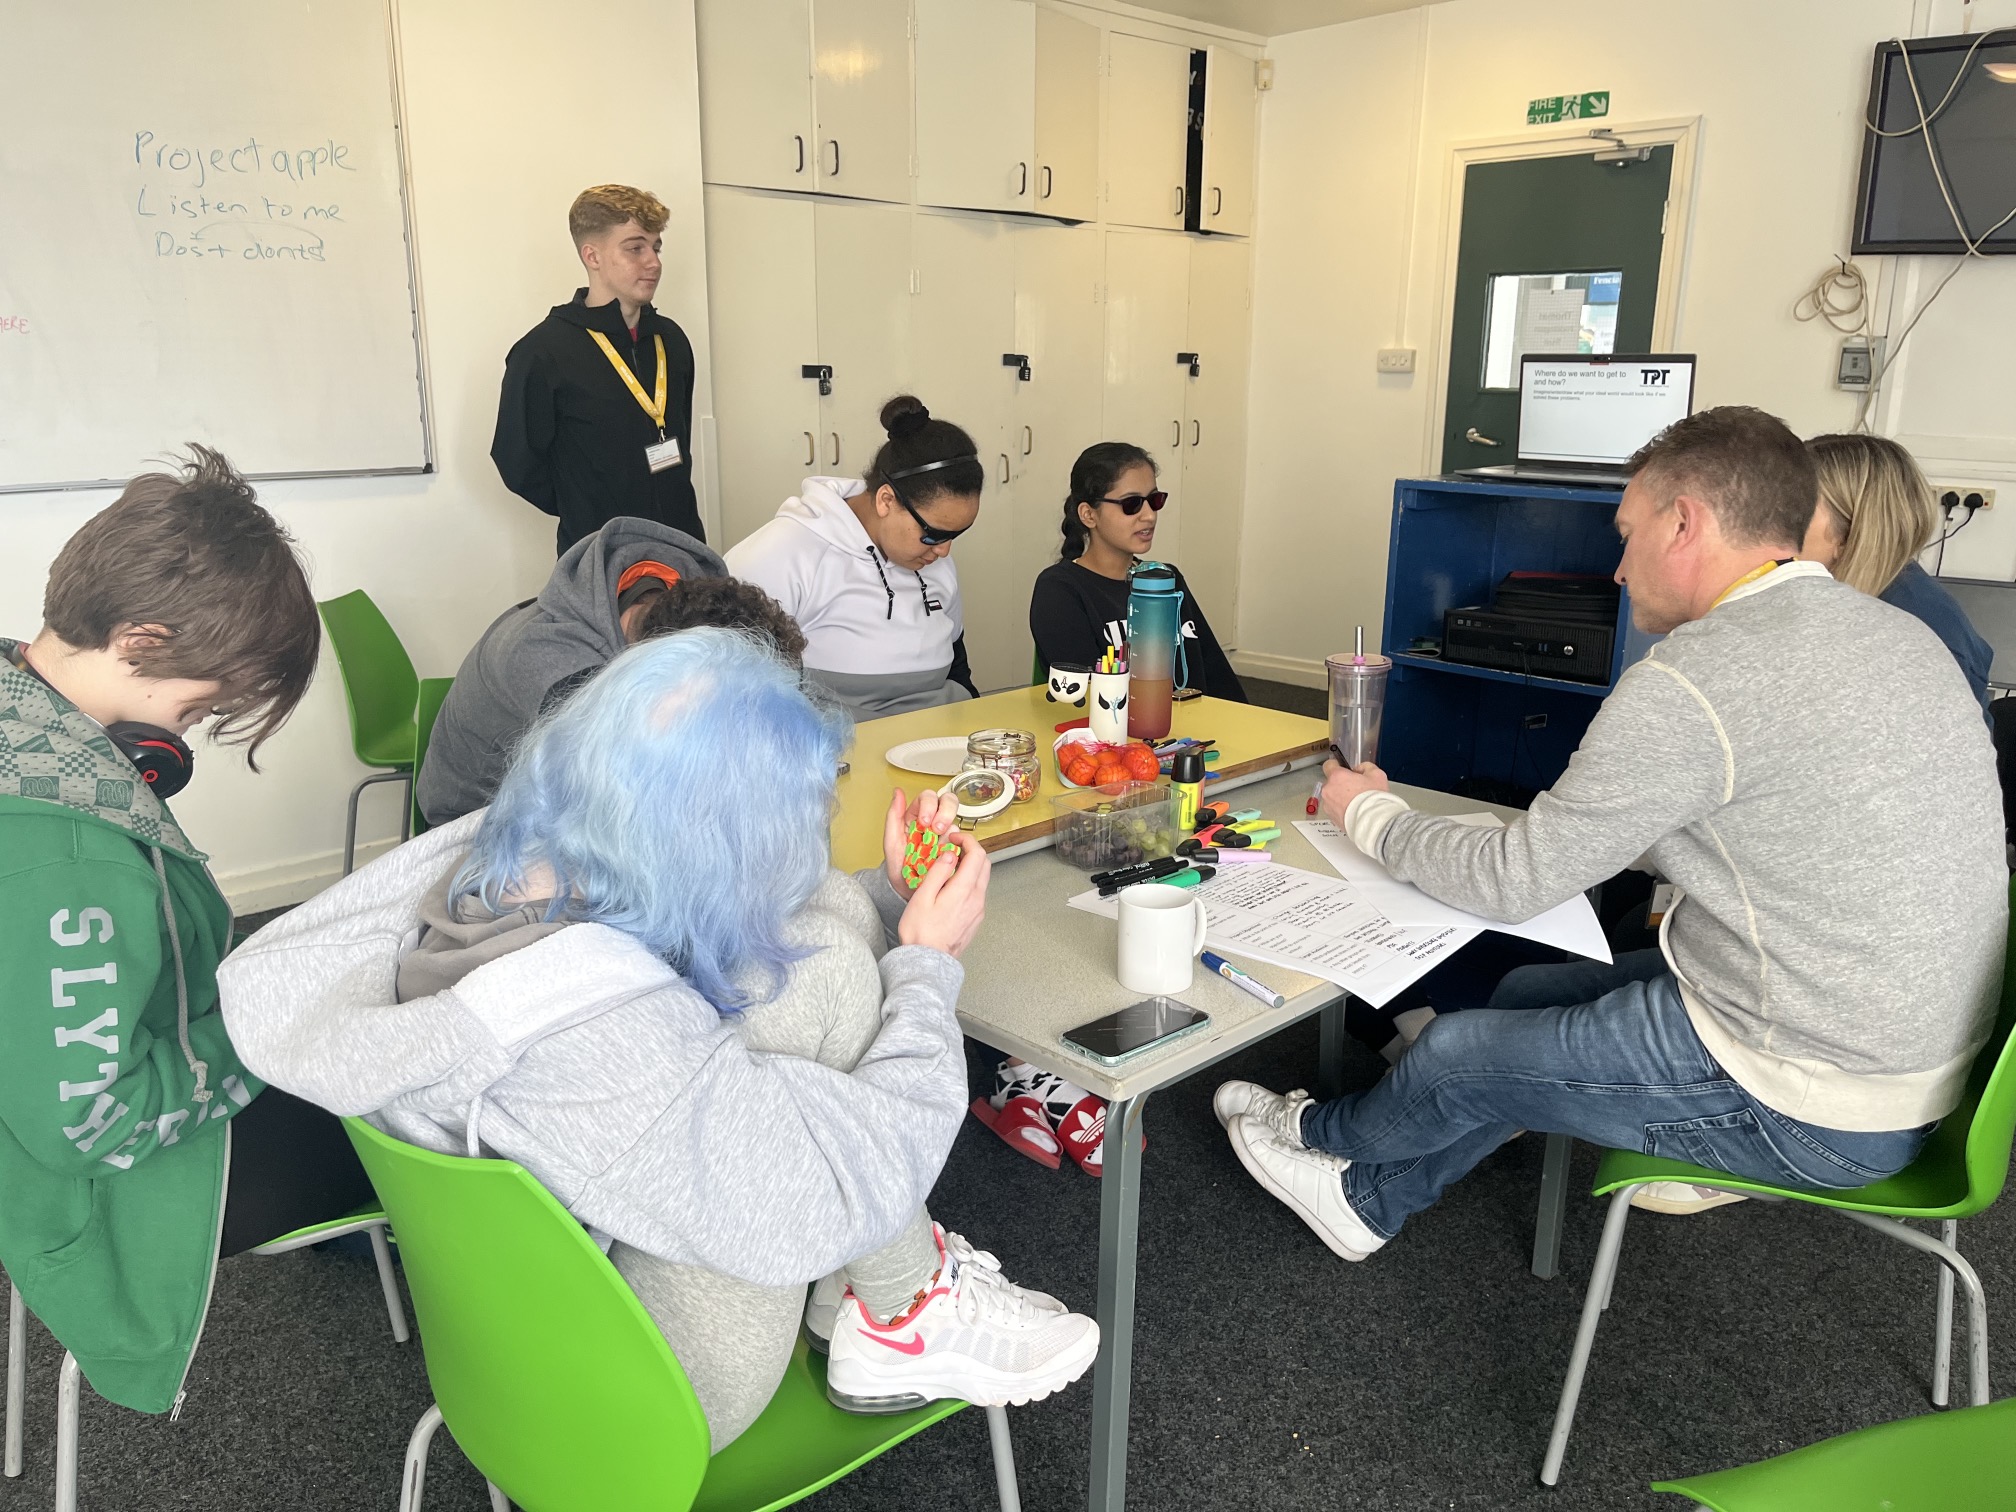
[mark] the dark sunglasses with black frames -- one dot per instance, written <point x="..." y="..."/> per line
<point x="1130" y="504"/>
<point x="927" y="533"/>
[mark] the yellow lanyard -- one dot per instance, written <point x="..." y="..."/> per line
<point x="1751" y="576"/>
<point x="655" y="405"/>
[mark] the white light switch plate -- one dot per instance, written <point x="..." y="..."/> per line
<point x="1396" y="359"/>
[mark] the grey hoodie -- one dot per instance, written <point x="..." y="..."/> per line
<point x="569" y="631"/>
<point x="587" y="1060"/>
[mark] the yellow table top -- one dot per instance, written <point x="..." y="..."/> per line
<point x="1251" y="740"/>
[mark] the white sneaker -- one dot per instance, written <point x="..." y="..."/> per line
<point x="1681" y="1198"/>
<point x="976" y="1337"/>
<point x="822" y="1308"/>
<point x="1310" y="1182"/>
<point x="1282" y="1113"/>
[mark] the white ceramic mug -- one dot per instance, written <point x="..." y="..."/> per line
<point x="1161" y="931"/>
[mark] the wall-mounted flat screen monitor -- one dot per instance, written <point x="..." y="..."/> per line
<point x="1967" y="88"/>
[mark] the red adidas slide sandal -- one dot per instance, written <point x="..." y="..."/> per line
<point x="1084" y="1133"/>
<point x="1021" y="1123"/>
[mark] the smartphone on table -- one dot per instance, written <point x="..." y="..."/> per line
<point x="1139" y="1026"/>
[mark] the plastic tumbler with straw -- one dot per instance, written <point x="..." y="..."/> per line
<point x="1357" y="703"/>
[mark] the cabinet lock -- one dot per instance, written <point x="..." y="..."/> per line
<point x="820" y="370"/>
<point x="1019" y="362"/>
<point x="1192" y="362"/>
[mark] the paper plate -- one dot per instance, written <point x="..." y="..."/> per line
<point x="940" y="756"/>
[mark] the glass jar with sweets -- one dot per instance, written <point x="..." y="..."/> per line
<point x="1010" y="752"/>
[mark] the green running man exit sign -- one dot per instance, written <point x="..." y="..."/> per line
<point x="1574" y="107"/>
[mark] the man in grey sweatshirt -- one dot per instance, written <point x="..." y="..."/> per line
<point x="1807" y="766"/>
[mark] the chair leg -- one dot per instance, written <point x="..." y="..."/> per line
<point x="1942" y="1342"/>
<point x="394" y="1308"/>
<point x="416" y="1458"/>
<point x="1956" y="1263"/>
<point x="350" y="823"/>
<point x="1004" y="1460"/>
<point x="1593" y="1303"/>
<point x="499" y="1502"/>
<point x="1547" y="1223"/>
<point x="17" y="1375"/>
<point x="69" y="1387"/>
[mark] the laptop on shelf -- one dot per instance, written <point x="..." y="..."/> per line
<point x="1582" y="416"/>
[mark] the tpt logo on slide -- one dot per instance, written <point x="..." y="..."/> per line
<point x="1653" y="377"/>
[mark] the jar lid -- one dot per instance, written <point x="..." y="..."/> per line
<point x="981" y="794"/>
<point x="1001" y="743"/>
<point x="1152" y="577"/>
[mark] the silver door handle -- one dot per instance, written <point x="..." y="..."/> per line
<point x="811" y="451"/>
<point x="801" y="154"/>
<point x="1047" y="177"/>
<point x="1217" y="201"/>
<point x="1179" y="202"/>
<point x="1028" y="440"/>
<point x="1472" y="434"/>
<point x="834" y="143"/>
<point x="836" y="447"/>
<point x="1025" y="180"/>
<point x="1175" y="432"/>
<point x="1004" y="467"/>
<point x="1196" y="431"/>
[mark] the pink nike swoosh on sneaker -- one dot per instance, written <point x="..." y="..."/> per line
<point x="914" y="1345"/>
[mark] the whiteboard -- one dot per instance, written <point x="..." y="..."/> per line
<point x="204" y="239"/>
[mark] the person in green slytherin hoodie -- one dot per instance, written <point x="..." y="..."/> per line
<point x="119" y="1088"/>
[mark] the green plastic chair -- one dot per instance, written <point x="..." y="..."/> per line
<point x="559" y="1387"/>
<point x="1944" y="1462"/>
<point x="1960" y="1171"/>
<point x="382" y="692"/>
<point x="432" y="691"/>
<point x="70" y="1379"/>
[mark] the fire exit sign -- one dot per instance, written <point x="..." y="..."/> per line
<point x="1573" y="107"/>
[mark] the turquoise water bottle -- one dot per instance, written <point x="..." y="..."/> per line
<point x="1154" y="644"/>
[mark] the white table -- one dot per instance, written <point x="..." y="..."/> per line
<point x="1039" y="967"/>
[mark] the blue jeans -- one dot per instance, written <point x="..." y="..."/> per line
<point x="1621" y="1067"/>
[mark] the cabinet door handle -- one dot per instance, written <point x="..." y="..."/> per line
<point x="1217" y="201"/>
<point x="1046" y="182"/>
<point x="834" y="143"/>
<point x="836" y="447"/>
<point x="1024" y="189"/>
<point x="811" y="451"/>
<point x="801" y="154"/>
<point x="1004" y="467"/>
<point x="1175" y="432"/>
<point x="1196" y="431"/>
<point x="1179" y="202"/>
<point x="1472" y="434"/>
<point x="1028" y="440"/>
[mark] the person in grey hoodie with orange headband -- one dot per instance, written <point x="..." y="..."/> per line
<point x="646" y="984"/>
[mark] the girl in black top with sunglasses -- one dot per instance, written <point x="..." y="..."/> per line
<point x="1109" y="522"/>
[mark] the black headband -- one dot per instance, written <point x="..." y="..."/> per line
<point x="911" y="472"/>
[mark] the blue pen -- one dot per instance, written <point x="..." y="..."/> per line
<point x="1215" y="962"/>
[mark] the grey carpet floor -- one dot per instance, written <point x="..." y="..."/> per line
<point x="1267" y="1373"/>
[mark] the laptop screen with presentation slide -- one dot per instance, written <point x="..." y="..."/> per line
<point x="1596" y="411"/>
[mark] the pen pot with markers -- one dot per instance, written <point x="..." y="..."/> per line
<point x="1106" y="703"/>
<point x="1154" y="633"/>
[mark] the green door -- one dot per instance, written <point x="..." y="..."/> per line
<point x="1557" y="254"/>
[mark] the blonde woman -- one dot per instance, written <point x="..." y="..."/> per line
<point x="1875" y="514"/>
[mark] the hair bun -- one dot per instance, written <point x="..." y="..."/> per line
<point x="904" y="416"/>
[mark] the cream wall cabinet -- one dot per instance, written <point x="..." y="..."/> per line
<point x="1147" y="107"/>
<point x="1147" y="324"/>
<point x="1225" y="192"/>
<point x="1214" y="425"/>
<point x="1059" y="327"/>
<point x="1007" y="108"/>
<point x="806" y="95"/>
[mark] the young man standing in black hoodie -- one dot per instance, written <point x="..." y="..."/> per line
<point x="596" y="417"/>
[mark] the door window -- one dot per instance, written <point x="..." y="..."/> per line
<point x="1547" y="312"/>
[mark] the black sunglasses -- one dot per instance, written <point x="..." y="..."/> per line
<point x="927" y="533"/>
<point x="1131" y="504"/>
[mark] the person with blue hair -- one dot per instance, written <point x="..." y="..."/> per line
<point x="638" y="975"/>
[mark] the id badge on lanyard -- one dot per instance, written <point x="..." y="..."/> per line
<point x="665" y="453"/>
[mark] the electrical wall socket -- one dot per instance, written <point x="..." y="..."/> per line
<point x="1960" y="495"/>
<point x="1396" y="359"/>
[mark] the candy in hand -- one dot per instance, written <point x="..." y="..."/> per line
<point x="921" y="847"/>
